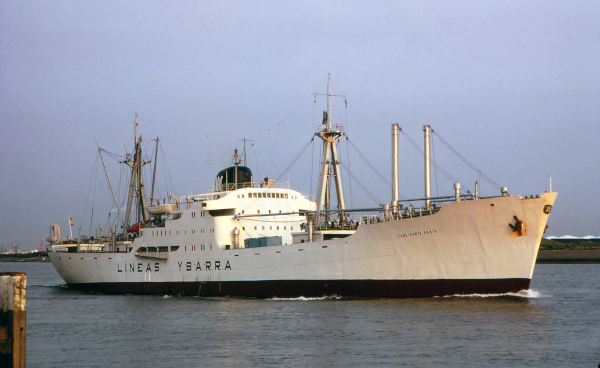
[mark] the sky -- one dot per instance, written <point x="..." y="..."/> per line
<point x="513" y="86"/>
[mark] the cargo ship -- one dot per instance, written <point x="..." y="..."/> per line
<point x="261" y="238"/>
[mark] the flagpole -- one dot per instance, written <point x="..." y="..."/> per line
<point x="70" y="227"/>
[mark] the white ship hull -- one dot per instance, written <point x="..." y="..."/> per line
<point x="467" y="247"/>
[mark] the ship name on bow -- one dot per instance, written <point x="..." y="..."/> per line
<point x="406" y="235"/>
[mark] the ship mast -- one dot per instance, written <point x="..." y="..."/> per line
<point x="136" y="186"/>
<point x="330" y="165"/>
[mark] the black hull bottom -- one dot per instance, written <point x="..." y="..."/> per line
<point x="315" y="288"/>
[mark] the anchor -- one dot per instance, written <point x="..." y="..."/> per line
<point x="518" y="226"/>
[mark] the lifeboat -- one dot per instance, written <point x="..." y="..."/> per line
<point x="162" y="209"/>
<point x="136" y="227"/>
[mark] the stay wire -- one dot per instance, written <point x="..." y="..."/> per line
<point x="373" y="168"/>
<point x="368" y="163"/>
<point x="360" y="184"/>
<point x="88" y="195"/>
<point x="296" y="159"/>
<point x="437" y="189"/>
<point x="447" y="175"/>
<point x="489" y="180"/>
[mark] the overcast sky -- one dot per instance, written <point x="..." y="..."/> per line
<point x="511" y="85"/>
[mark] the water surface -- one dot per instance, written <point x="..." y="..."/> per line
<point x="557" y="324"/>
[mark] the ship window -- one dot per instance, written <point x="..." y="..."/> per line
<point x="286" y="197"/>
<point x="169" y="232"/>
<point x="269" y="211"/>
<point x="254" y="227"/>
<point x="210" y="246"/>
<point x="277" y="227"/>
<point x="242" y="212"/>
<point x="238" y="196"/>
<point x="243" y="228"/>
<point x="291" y="228"/>
<point x="257" y="211"/>
<point x="242" y="196"/>
<point x="263" y="227"/>
<point x="185" y="248"/>
<point x="276" y="195"/>
<point x="284" y="228"/>
<point x="270" y="227"/>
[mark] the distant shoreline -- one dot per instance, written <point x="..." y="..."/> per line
<point x="568" y="256"/>
<point x="25" y="257"/>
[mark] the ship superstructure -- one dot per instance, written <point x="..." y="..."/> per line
<point x="262" y="239"/>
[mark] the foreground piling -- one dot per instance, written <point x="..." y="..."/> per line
<point x="13" y="287"/>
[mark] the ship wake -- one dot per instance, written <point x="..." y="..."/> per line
<point x="526" y="294"/>
<point x="304" y="299"/>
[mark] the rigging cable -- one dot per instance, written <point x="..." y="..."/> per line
<point x="375" y="170"/>
<point x="166" y="169"/>
<point x="447" y="175"/>
<point x="296" y="159"/>
<point x="360" y="184"/>
<point x="437" y="189"/>
<point x="94" y="175"/>
<point x="466" y="161"/>
<point x="284" y="171"/>
<point x="368" y="163"/>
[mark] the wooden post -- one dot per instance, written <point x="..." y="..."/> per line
<point x="13" y="287"/>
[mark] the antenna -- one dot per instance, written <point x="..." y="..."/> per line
<point x="244" y="150"/>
